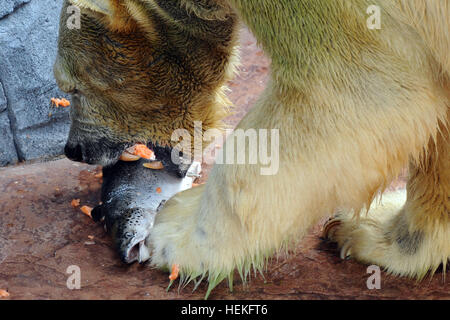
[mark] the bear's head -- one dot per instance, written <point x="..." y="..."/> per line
<point x="138" y="70"/>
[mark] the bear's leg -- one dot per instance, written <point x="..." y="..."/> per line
<point x="408" y="235"/>
<point x="241" y="216"/>
<point x="244" y="213"/>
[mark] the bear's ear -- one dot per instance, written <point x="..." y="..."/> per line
<point x="208" y="9"/>
<point x="101" y="6"/>
<point x="115" y="14"/>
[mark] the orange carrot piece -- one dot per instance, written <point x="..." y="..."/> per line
<point x="55" y="101"/>
<point x="155" y="165"/>
<point x="60" y="102"/>
<point x="87" y="211"/>
<point x="158" y="190"/>
<point x="75" y="203"/>
<point x="99" y="175"/>
<point x="175" y="272"/>
<point x="128" y="157"/>
<point x="142" y="151"/>
<point x="4" y="293"/>
<point x="137" y="152"/>
<point x="64" y="103"/>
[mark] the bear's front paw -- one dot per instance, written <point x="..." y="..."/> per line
<point x="201" y="240"/>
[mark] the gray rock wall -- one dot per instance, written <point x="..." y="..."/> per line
<point x="8" y="6"/>
<point x="28" y="44"/>
<point x="8" y="152"/>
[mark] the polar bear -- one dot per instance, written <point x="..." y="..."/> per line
<point x="353" y="105"/>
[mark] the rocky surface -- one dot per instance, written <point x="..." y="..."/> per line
<point x="8" y="152"/>
<point x="42" y="235"/>
<point x="28" y="42"/>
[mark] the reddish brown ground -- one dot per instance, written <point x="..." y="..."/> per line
<point x="41" y="235"/>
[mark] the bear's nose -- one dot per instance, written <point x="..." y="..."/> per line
<point x="74" y="153"/>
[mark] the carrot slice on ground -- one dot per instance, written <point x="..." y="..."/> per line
<point x="142" y="151"/>
<point x="175" y="271"/>
<point x="60" y="102"/>
<point x="64" y="103"/>
<point x="4" y="293"/>
<point x="55" y="101"/>
<point x="75" y="203"/>
<point x="158" y="190"/>
<point x="155" y="165"/>
<point x="99" y="175"/>
<point x="86" y="210"/>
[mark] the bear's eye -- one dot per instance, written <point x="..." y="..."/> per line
<point x="67" y="87"/>
<point x="74" y="92"/>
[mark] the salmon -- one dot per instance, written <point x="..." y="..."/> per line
<point x="132" y="196"/>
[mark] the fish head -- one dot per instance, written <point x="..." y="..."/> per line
<point x="129" y="231"/>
